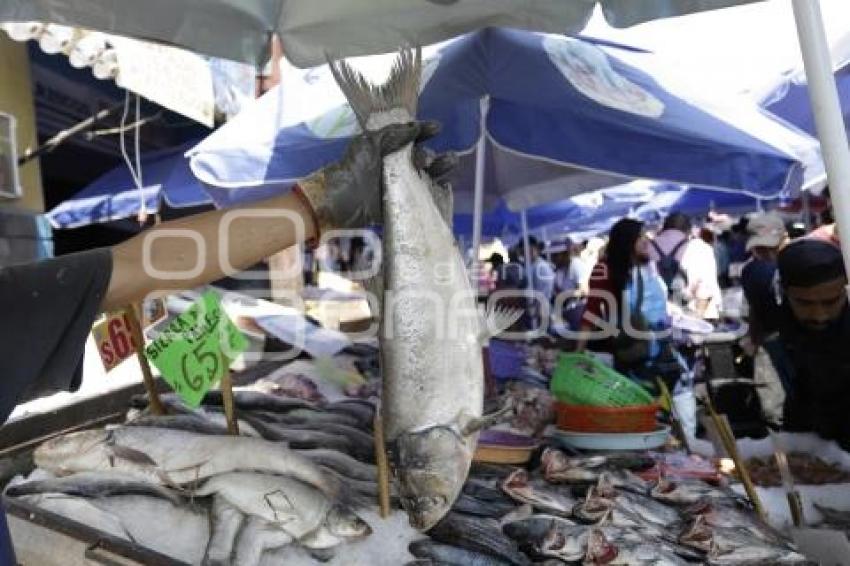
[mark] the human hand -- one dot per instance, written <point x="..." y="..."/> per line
<point x="347" y="194"/>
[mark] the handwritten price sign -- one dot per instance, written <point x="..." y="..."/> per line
<point x="114" y="340"/>
<point x="193" y="351"/>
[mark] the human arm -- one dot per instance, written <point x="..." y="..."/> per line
<point x="596" y="307"/>
<point x="191" y="251"/>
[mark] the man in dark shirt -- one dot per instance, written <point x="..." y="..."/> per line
<point x="815" y="330"/>
<point x="767" y="235"/>
<point x="57" y="300"/>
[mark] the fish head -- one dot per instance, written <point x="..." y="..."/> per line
<point x="60" y="453"/>
<point x="344" y="523"/>
<point x="431" y="466"/>
<point x="599" y="549"/>
<point x="553" y="460"/>
<point x="606" y="486"/>
<point x="531" y="530"/>
<point x="698" y="535"/>
<point x="594" y="507"/>
<point x="566" y="544"/>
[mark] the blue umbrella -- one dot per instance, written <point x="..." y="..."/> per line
<point x="114" y="196"/>
<point x="596" y="211"/>
<point x="563" y="116"/>
<point x="789" y="98"/>
<point x="696" y="201"/>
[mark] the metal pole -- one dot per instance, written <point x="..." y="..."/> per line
<point x="529" y="269"/>
<point x="526" y="250"/>
<point x="478" y="203"/>
<point x="828" y="120"/>
<point x="60" y="137"/>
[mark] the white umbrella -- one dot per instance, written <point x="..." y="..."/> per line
<point x="240" y="30"/>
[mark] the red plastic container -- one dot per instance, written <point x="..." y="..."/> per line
<point x="588" y="418"/>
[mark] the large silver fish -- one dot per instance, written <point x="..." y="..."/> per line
<point x="431" y="334"/>
<point x="175" y="457"/>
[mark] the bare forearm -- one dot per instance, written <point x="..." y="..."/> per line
<point x="192" y="251"/>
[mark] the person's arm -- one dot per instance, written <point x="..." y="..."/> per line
<point x="598" y="284"/>
<point x="137" y="272"/>
<point x="191" y="251"/>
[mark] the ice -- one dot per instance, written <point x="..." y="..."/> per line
<point x="386" y="546"/>
<point x="835" y="496"/>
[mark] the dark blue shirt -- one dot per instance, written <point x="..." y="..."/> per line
<point x="757" y="281"/>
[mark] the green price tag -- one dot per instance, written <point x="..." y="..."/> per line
<point x="190" y="352"/>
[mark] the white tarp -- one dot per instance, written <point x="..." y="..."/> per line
<point x="311" y="28"/>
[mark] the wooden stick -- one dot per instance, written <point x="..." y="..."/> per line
<point x="678" y="429"/>
<point x="147" y="376"/>
<point x="227" y="398"/>
<point x="383" y="468"/>
<point x="729" y="442"/>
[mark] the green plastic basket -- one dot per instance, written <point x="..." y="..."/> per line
<point x="580" y="379"/>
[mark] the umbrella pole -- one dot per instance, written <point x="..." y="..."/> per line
<point x="478" y="203"/>
<point x="529" y="269"/>
<point x="827" y="112"/>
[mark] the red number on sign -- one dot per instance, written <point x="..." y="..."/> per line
<point x="107" y="354"/>
<point x="127" y="326"/>
<point x="119" y="339"/>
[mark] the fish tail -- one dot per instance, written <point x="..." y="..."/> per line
<point x="401" y="90"/>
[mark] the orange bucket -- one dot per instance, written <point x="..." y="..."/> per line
<point x="589" y="418"/>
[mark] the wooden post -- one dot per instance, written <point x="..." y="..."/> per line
<point x="678" y="429"/>
<point x="227" y="398"/>
<point x="383" y="468"/>
<point x="139" y="344"/>
<point x="728" y="438"/>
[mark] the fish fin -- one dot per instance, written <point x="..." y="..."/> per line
<point x="322" y="554"/>
<point x="132" y="455"/>
<point x="470" y="425"/>
<point x="401" y="90"/>
<point x="444" y="199"/>
<point x="495" y="321"/>
<point x="375" y="288"/>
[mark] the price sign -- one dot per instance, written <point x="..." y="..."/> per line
<point x="114" y="340"/>
<point x="193" y="351"/>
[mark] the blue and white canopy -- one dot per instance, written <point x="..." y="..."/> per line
<point x="561" y="116"/>
<point x="114" y="195"/>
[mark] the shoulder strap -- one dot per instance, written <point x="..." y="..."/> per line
<point x="661" y="254"/>
<point x="676" y="248"/>
<point x="639" y="290"/>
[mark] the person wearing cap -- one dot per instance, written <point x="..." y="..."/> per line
<point x="814" y="327"/>
<point x="758" y="280"/>
<point x="766" y="236"/>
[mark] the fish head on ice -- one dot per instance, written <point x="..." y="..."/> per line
<point x="599" y="549"/>
<point x="345" y="524"/>
<point x="431" y="466"/>
<point x="698" y="534"/>
<point x="60" y="454"/>
<point x="567" y="544"/>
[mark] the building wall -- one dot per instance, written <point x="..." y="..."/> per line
<point x="16" y="99"/>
